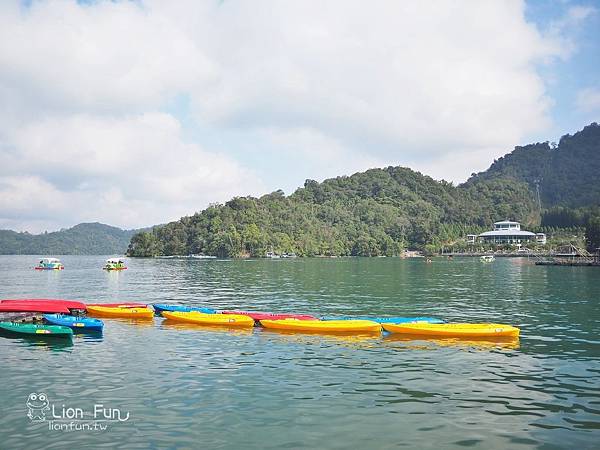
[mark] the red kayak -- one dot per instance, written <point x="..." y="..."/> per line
<point x="40" y="305"/>
<point x="256" y="315"/>
<point x="120" y="305"/>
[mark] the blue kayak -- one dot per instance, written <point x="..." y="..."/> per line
<point x="389" y="319"/>
<point x="74" y="322"/>
<point x="160" y="307"/>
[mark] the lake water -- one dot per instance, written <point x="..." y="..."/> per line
<point x="195" y="387"/>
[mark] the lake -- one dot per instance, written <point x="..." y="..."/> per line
<point x="198" y="387"/>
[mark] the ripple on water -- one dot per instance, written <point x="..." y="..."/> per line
<point x="222" y="388"/>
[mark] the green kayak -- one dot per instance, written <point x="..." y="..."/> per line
<point x="32" y="329"/>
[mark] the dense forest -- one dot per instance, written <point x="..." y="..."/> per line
<point x="384" y="211"/>
<point x="567" y="174"/>
<point x="377" y="212"/>
<point x="82" y="239"/>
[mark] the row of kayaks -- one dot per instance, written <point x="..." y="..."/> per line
<point x="423" y="326"/>
<point x="349" y="325"/>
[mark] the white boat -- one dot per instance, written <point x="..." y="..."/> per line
<point x="272" y="255"/>
<point x="487" y="258"/>
<point x="49" y="264"/>
<point x="202" y="257"/>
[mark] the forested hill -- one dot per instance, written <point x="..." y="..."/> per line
<point x="82" y="239"/>
<point x="568" y="174"/>
<point x="382" y="211"/>
<point x="377" y="212"/>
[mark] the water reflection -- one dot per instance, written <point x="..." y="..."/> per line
<point x="425" y="343"/>
<point x="173" y="325"/>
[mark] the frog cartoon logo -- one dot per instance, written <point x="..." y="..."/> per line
<point x="37" y="405"/>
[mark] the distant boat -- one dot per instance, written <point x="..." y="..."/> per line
<point x="487" y="258"/>
<point x="202" y="257"/>
<point x="115" y="264"/>
<point x="272" y="255"/>
<point x="289" y="255"/>
<point x="49" y="264"/>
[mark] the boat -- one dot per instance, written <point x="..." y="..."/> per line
<point x="487" y="258"/>
<point x="229" y="320"/>
<point x="272" y="255"/>
<point x="120" y="305"/>
<point x="389" y="319"/>
<point x="49" y="264"/>
<point x="161" y="307"/>
<point x="124" y="312"/>
<point x="320" y="326"/>
<point x="41" y="305"/>
<point x="37" y="330"/>
<point x="115" y="264"/>
<point x="454" y="329"/>
<point x="257" y="315"/>
<point x="74" y="322"/>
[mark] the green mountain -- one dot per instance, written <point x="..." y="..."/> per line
<point x="83" y="239"/>
<point x="377" y="212"/>
<point x="383" y="211"/>
<point x="567" y="174"/>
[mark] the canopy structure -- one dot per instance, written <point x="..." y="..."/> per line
<point x="115" y="260"/>
<point x="49" y="260"/>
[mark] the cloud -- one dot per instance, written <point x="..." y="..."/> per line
<point x="588" y="100"/>
<point x="310" y="88"/>
<point x="128" y="171"/>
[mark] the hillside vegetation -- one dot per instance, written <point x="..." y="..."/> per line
<point x="377" y="212"/>
<point x="82" y="239"/>
<point x="567" y="174"/>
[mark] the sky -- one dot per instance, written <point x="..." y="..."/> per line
<point x="135" y="113"/>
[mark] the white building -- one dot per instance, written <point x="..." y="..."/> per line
<point x="507" y="232"/>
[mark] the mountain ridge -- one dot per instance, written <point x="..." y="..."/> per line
<point x="87" y="238"/>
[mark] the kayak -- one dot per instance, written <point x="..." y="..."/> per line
<point x="389" y="319"/>
<point x="120" y="305"/>
<point x="74" y="322"/>
<point x="30" y="329"/>
<point x="256" y="315"/>
<point x="454" y="329"/>
<point x="42" y="305"/>
<point x="125" y="312"/>
<point x="329" y="326"/>
<point x="228" y="320"/>
<point x="160" y="307"/>
<point x="33" y="308"/>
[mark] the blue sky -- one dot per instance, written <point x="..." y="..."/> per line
<point x="136" y="113"/>
<point x="564" y="79"/>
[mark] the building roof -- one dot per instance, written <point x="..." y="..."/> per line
<point x="513" y="232"/>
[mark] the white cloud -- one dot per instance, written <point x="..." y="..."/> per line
<point x="588" y="100"/>
<point x="342" y="85"/>
<point x="128" y="171"/>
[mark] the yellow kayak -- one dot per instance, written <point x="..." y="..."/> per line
<point x="323" y="326"/>
<point x="129" y="313"/>
<point x="453" y="329"/>
<point x="229" y="320"/>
